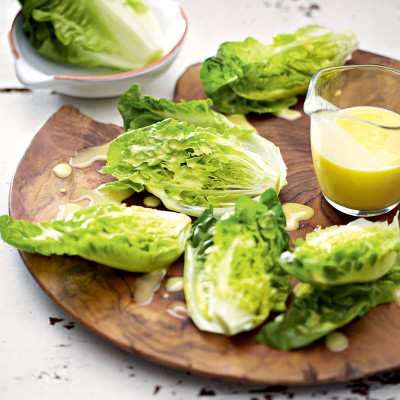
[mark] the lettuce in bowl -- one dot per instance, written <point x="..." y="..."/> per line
<point x="120" y="34"/>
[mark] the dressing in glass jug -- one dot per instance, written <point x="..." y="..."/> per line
<point x="355" y="137"/>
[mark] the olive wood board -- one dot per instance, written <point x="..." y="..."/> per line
<point x="101" y="298"/>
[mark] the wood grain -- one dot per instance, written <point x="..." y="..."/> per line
<point x="102" y="298"/>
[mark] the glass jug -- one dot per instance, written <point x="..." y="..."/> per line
<point x="355" y="137"/>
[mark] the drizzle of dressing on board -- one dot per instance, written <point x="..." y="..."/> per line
<point x="241" y="120"/>
<point x="67" y="209"/>
<point x="295" y="213"/>
<point x="89" y="155"/>
<point x="95" y="196"/>
<point x="99" y="196"/>
<point x="178" y="309"/>
<point x="146" y="285"/>
<point x="288" y="114"/>
<point x="174" y="284"/>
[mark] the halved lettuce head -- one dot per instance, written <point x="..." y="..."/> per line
<point x="133" y="238"/>
<point x="231" y="279"/>
<point x="139" y="111"/>
<point x="316" y="313"/>
<point x="361" y="251"/>
<point x="250" y="76"/>
<point x="122" y="34"/>
<point x="190" y="168"/>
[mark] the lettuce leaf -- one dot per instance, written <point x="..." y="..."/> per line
<point x="189" y="167"/>
<point x="249" y="76"/>
<point x="361" y="251"/>
<point x="130" y="238"/>
<point x="110" y="33"/>
<point x="139" y="111"/>
<point x="316" y="312"/>
<point x="231" y="279"/>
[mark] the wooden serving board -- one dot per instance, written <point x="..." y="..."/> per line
<point x="101" y="298"/>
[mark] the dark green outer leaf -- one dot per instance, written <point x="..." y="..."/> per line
<point x="139" y="111"/>
<point x="249" y="76"/>
<point x="315" y="314"/>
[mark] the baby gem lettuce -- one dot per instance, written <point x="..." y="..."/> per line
<point x="361" y="251"/>
<point x="121" y="34"/>
<point x="231" y="279"/>
<point x="133" y="238"/>
<point x="344" y="271"/>
<point x="190" y="168"/>
<point x="250" y="76"/>
<point x="316" y="313"/>
<point x="139" y="111"/>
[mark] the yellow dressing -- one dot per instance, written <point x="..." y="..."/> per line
<point x="358" y="164"/>
<point x="146" y="285"/>
<point x="151" y="201"/>
<point x="336" y="341"/>
<point x="174" y="284"/>
<point x="288" y="114"/>
<point x="295" y="213"/>
<point x="241" y="120"/>
<point x="97" y="196"/>
<point x="397" y="296"/>
<point x="301" y="289"/>
<point x="178" y="309"/>
<point x="67" y="209"/>
<point x="87" y="156"/>
<point x="384" y="144"/>
<point x="62" y="170"/>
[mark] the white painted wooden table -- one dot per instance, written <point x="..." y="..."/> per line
<point x="41" y="358"/>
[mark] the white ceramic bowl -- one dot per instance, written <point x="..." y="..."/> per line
<point x="35" y="71"/>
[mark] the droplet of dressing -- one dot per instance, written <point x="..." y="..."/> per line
<point x="62" y="170"/>
<point x="178" y="309"/>
<point x="174" y="284"/>
<point x="295" y="213"/>
<point x="151" y="201"/>
<point x="397" y="296"/>
<point x="337" y="93"/>
<point x="288" y="114"/>
<point x="89" y="155"/>
<point x="146" y="285"/>
<point x="63" y="190"/>
<point x="336" y="341"/>
<point x="302" y="288"/>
